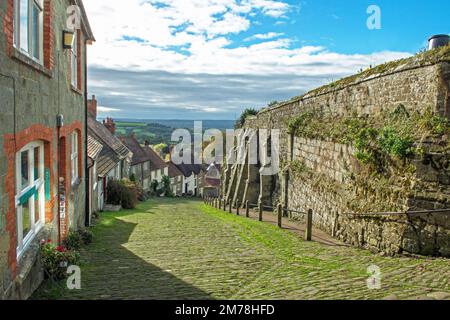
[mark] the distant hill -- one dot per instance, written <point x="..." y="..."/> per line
<point x="160" y="131"/>
<point x="186" y="124"/>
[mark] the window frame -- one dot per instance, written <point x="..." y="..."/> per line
<point x="74" y="157"/>
<point x="74" y="52"/>
<point x="31" y="4"/>
<point x="95" y="176"/>
<point x="39" y="185"/>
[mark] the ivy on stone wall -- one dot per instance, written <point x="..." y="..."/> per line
<point x="377" y="140"/>
<point x="383" y="146"/>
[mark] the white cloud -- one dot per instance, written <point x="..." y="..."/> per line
<point x="194" y="37"/>
<point x="264" y="36"/>
<point x="106" y="109"/>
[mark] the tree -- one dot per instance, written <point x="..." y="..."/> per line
<point x="166" y="185"/>
<point x="273" y="104"/>
<point x="247" y="112"/>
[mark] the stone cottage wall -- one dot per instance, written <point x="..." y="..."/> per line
<point x="31" y="97"/>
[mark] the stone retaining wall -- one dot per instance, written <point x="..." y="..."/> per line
<point x="329" y="187"/>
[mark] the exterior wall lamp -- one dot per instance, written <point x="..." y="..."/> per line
<point x="68" y="39"/>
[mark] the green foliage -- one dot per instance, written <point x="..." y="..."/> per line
<point x="167" y="189"/>
<point x="393" y="143"/>
<point x="76" y="239"/>
<point x="247" y="112"/>
<point x="73" y="241"/>
<point x="297" y="167"/>
<point x="124" y="193"/>
<point x="154" y="187"/>
<point x="87" y="236"/>
<point x="300" y="125"/>
<point x="392" y="134"/>
<point x="435" y="124"/>
<point x="162" y="188"/>
<point x="133" y="177"/>
<point x="55" y="260"/>
<point x="364" y="141"/>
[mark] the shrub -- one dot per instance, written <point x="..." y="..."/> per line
<point x="154" y="187"/>
<point x="123" y="193"/>
<point x="247" y="112"/>
<point x="394" y="144"/>
<point x="166" y="185"/>
<point x="86" y="236"/>
<point x="56" y="259"/>
<point x="129" y="194"/>
<point x="114" y="192"/>
<point x="73" y="241"/>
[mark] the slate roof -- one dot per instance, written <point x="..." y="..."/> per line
<point x="156" y="160"/>
<point x="113" y="150"/>
<point x="106" y="161"/>
<point x="173" y="170"/>
<point x="139" y="153"/>
<point x="94" y="147"/>
<point x="189" y="169"/>
<point x="102" y="134"/>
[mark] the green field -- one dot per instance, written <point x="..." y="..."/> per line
<point x="130" y="124"/>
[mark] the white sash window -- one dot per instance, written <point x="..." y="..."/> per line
<point x="28" y="28"/>
<point x="74" y="157"/>
<point x="30" y="194"/>
<point x="74" y="62"/>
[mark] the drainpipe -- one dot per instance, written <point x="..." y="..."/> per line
<point x="58" y="151"/>
<point x="86" y="174"/>
<point x="58" y="174"/>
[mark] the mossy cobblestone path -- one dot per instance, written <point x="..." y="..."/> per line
<point x="183" y="249"/>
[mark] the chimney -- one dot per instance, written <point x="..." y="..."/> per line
<point x="147" y="143"/>
<point x="92" y="107"/>
<point x="110" y="125"/>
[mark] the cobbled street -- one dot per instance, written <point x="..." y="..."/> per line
<point x="184" y="249"/>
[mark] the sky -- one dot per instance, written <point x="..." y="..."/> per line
<point x="211" y="59"/>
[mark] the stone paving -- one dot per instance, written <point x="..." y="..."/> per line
<point x="183" y="249"/>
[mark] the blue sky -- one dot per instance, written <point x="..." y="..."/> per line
<point x="209" y="59"/>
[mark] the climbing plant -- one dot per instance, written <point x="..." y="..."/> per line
<point x="396" y="134"/>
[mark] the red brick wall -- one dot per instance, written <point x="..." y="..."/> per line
<point x="12" y="145"/>
<point x="8" y="26"/>
<point x="48" y="35"/>
<point x="66" y="133"/>
<point x="79" y="64"/>
<point x="92" y="107"/>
